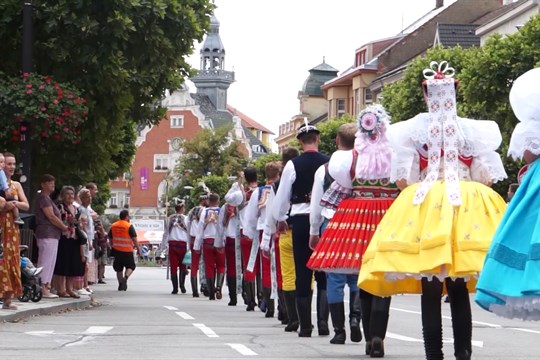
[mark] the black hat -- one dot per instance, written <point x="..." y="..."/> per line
<point x="305" y="129"/>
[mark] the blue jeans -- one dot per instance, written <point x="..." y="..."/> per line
<point x="335" y="283"/>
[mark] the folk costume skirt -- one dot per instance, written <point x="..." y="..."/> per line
<point x="431" y="239"/>
<point x="348" y="235"/>
<point x="509" y="285"/>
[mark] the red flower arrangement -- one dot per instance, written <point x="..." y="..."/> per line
<point x="54" y="110"/>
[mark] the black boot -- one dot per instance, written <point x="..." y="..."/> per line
<point x="250" y="295"/>
<point x="182" y="281"/>
<point x="355" y="315"/>
<point x="366" y="300"/>
<point x="194" y="288"/>
<point x="219" y="285"/>
<point x="337" y="312"/>
<point x="204" y="289"/>
<point x="260" y="296"/>
<point x="211" y="288"/>
<point x="379" y="323"/>
<point x="460" y="308"/>
<point x="303" y="306"/>
<point x="431" y="318"/>
<point x="322" y="313"/>
<point x="282" y="309"/>
<point x="231" y="285"/>
<point x="292" y="312"/>
<point x="174" y="280"/>
<point x="270" y="304"/>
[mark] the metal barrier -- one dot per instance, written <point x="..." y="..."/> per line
<point x="27" y="238"/>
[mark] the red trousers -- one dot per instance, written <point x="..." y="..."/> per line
<point x="177" y="251"/>
<point x="230" y="257"/>
<point x="245" y="245"/>
<point x="213" y="259"/>
<point x="265" y="268"/>
<point x="195" y="259"/>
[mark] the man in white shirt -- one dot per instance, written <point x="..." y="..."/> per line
<point x="177" y="239"/>
<point x="209" y="237"/>
<point x="295" y="192"/>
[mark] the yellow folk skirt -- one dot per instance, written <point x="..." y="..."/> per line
<point x="431" y="239"/>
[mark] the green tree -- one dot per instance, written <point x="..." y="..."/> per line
<point x="488" y="80"/>
<point x="260" y="162"/>
<point x="122" y="55"/>
<point x="209" y="152"/>
<point x="404" y="99"/>
<point x="329" y="130"/>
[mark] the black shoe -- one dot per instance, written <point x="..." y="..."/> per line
<point x="339" y="337"/>
<point x="101" y="282"/>
<point x="305" y="333"/>
<point x="356" y="333"/>
<point x="292" y="326"/>
<point x="377" y="348"/>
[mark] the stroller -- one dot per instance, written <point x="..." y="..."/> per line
<point x="31" y="282"/>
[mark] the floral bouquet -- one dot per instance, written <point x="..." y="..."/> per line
<point x="53" y="110"/>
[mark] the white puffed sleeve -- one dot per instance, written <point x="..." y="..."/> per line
<point x="404" y="138"/>
<point x="526" y="136"/>
<point x="339" y="167"/>
<point x="482" y="139"/>
<point x="235" y="195"/>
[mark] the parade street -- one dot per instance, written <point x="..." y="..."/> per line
<point x="147" y="322"/>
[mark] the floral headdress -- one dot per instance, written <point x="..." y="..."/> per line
<point x="372" y="145"/>
<point x="443" y="132"/>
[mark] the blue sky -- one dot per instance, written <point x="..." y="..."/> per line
<point x="271" y="45"/>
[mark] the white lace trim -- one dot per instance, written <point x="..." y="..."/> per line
<point x="526" y="136"/>
<point x="524" y="308"/>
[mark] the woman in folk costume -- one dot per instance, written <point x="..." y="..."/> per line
<point x="435" y="235"/>
<point x="509" y="284"/>
<point x="361" y="178"/>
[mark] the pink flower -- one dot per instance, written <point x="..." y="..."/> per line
<point x="29" y="91"/>
<point x="368" y="121"/>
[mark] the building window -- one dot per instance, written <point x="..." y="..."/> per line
<point x="340" y="107"/>
<point x="368" y="98"/>
<point x="113" y="200"/>
<point x="161" y="162"/>
<point x="177" y="121"/>
<point x="259" y="134"/>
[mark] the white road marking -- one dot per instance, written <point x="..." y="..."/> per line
<point x="170" y="308"/>
<point x="391" y="335"/>
<point x="40" y="333"/>
<point x="184" y="315"/>
<point x="96" y="330"/>
<point x="206" y="330"/>
<point x="243" y="349"/>
<point x="495" y="326"/>
<point x="526" y="330"/>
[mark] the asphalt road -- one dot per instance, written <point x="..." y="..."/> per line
<point x="147" y="322"/>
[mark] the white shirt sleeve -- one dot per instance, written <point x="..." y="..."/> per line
<point x="251" y="215"/>
<point x="315" y="209"/>
<point x="282" y="200"/>
<point x="199" y="232"/>
<point x="235" y="195"/>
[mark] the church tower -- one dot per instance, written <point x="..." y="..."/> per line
<point x="212" y="79"/>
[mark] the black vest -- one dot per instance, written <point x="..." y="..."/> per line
<point x="305" y="167"/>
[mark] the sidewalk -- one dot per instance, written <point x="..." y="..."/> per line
<point x="44" y="307"/>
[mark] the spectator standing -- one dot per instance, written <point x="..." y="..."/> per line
<point x="49" y="228"/>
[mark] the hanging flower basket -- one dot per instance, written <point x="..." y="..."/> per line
<point x="54" y="111"/>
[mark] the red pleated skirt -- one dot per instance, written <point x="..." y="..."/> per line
<point x="348" y="234"/>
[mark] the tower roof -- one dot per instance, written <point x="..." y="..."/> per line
<point x="317" y="77"/>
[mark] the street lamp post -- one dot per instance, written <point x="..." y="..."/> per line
<point x="26" y="126"/>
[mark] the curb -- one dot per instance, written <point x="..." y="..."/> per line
<point x="43" y="308"/>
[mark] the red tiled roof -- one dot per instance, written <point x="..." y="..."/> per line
<point x="247" y="121"/>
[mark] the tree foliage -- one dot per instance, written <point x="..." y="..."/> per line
<point x="209" y="152"/>
<point x="259" y="164"/>
<point x="121" y="54"/>
<point x="485" y="77"/>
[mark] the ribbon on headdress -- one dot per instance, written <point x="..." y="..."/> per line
<point x="443" y="133"/>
